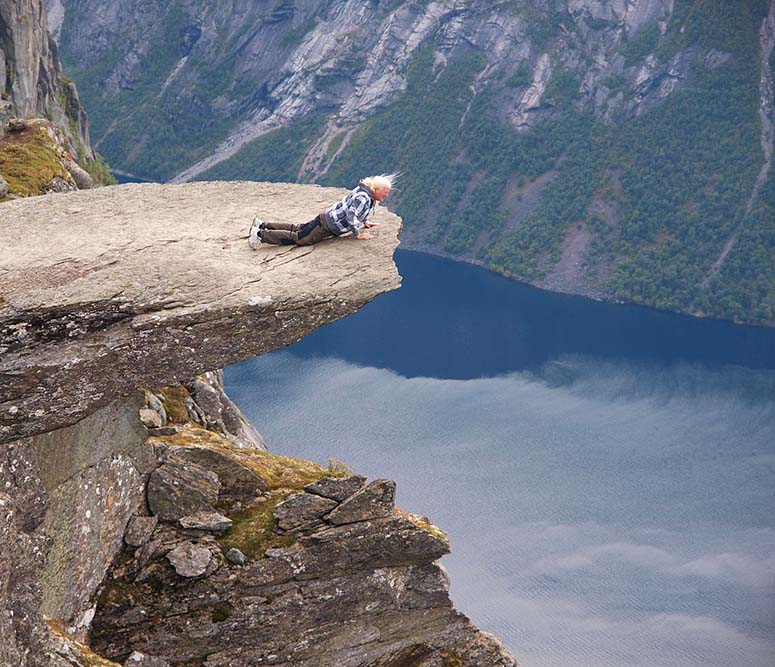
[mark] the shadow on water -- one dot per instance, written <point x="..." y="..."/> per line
<point x="453" y="320"/>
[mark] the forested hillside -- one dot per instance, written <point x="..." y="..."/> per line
<point x="615" y="149"/>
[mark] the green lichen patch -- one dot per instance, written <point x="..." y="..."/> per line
<point x="278" y="472"/>
<point x="29" y="161"/>
<point x="253" y="530"/>
<point x="422" y="523"/>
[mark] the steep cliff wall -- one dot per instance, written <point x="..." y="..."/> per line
<point x="31" y="79"/>
<point x="131" y="517"/>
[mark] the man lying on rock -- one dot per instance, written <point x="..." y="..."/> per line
<point x="345" y="217"/>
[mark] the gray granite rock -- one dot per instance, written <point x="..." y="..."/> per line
<point x="372" y="502"/>
<point x="302" y="511"/>
<point x="3" y="187"/>
<point x="190" y="560"/>
<point x="176" y="490"/>
<point x="236" y="557"/>
<point x="336" y="488"/>
<point x="139" y="530"/>
<point x="210" y="522"/>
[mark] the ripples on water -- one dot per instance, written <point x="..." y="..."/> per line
<point x="604" y="509"/>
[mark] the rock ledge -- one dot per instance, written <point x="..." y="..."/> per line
<point x="138" y="285"/>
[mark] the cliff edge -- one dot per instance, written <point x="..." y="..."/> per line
<point x="107" y="290"/>
<point x="143" y="520"/>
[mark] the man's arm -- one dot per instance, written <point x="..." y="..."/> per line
<point x="356" y="214"/>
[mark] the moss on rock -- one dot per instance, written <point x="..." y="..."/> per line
<point x="175" y="399"/>
<point x="253" y="530"/>
<point x="30" y="160"/>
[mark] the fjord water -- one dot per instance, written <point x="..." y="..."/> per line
<point x="606" y="473"/>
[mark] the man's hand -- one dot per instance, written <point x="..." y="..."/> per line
<point x="364" y="236"/>
<point x="372" y="224"/>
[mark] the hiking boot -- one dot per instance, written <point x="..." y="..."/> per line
<point x="253" y="238"/>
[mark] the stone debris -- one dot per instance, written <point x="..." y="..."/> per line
<point x="150" y="418"/>
<point x="139" y="530"/>
<point x="190" y="560"/>
<point x="176" y="490"/>
<point x="302" y="511"/>
<point x="156" y="404"/>
<point x="210" y="522"/>
<point x="372" y="502"/>
<point x="236" y="557"/>
<point x="336" y="488"/>
<point x="137" y="659"/>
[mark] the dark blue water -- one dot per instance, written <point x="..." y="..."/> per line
<point x="606" y="473"/>
<point x="454" y="320"/>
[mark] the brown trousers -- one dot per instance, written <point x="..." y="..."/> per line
<point x="285" y="233"/>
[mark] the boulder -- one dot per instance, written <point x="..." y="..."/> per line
<point x="336" y="488"/>
<point x="236" y="557"/>
<point x="302" y="511"/>
<point x="191" y="560"/>
<point x="82" y="178"/>
<point x="238" y="483"/>
<point x="3" y="187"/>
<point x="17" y="125"/>
<point x="176" y="490"/>
<point x="372" y="502"/>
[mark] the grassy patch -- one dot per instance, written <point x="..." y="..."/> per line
<point x="174" y="398"/>
<point x="253" y="530"/>
<point x="29" y="161"/>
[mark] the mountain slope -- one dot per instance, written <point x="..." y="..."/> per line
<point x="613" y="148"/>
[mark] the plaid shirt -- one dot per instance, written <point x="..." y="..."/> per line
<point x="349" y="214"/>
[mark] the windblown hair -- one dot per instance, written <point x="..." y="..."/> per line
<point x="383" y="181"/>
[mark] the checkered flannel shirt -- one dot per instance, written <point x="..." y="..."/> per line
<point x="349" y="214"/>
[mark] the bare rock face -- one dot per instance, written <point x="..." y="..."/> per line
<point x="372" y="502"/>
<point x="336" y="488"/>
<point x="176" y="490"/>
<point x="167" y="289"/>
<point x="302" y="511"/>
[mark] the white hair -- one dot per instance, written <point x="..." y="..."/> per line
<point x="381" y="182"/>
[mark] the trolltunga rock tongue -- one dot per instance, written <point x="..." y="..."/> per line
<point x="105" y="290"/>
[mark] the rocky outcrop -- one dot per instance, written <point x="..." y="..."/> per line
<point x="290" y="578"/>
<point x="139" y="285"/>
